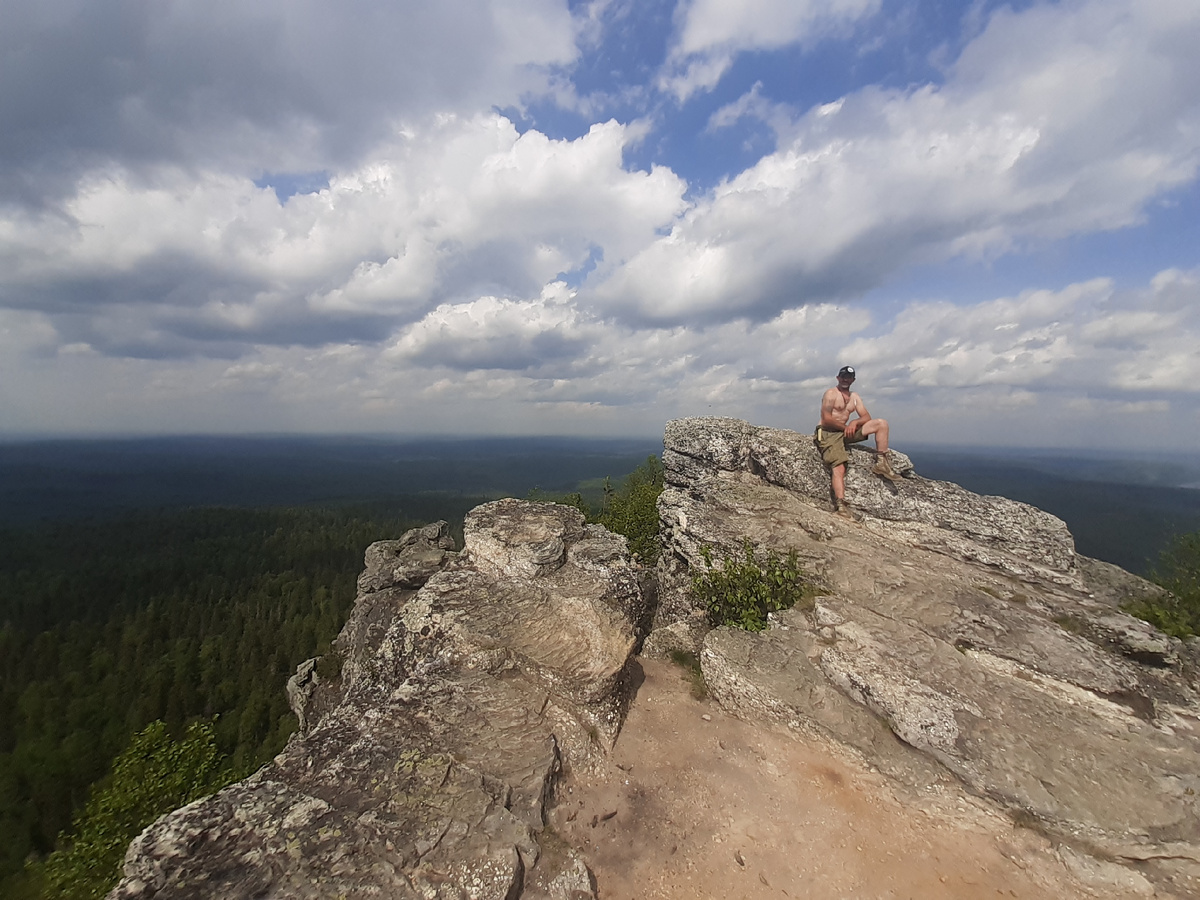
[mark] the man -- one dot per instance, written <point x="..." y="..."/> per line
<point x="837" y="429"/>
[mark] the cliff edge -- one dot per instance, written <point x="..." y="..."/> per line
<point x="424" y="769"/>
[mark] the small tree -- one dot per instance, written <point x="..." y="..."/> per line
<point x="632" y="509"/>
<point x="743" y="592"/>
<point x="1177" y="570"/>
<point x="152" y="776"/>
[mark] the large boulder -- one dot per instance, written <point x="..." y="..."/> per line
<point x="467" y="683"/>
<point x="964" y="626"/>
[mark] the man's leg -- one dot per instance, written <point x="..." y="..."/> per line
<point x="879" y="428"/>
<point x="833" y="454"/>
<point x="883" y="465"/>
<point x="840" y="506"/>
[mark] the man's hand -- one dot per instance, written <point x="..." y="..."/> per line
<point x="851" y="427"/>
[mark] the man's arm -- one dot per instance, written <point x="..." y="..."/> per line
<point x="857" y="406"/>
<point x="860" y="407"/>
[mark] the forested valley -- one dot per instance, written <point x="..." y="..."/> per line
<point x="144" y="652"/>
<point x="178" y="616"/>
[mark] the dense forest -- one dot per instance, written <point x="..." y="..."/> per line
<point x="171" y="616"/>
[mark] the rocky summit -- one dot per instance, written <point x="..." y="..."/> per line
<point x="956" y="643"/>
<point x="965" y="626"/>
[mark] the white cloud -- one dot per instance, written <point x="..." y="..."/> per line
<point x="1016" y="342"/>
<point x="1088" y="363"/>
<point x="751" y="105"/>
<point x="1059" y="120"/>
<point x="456" y="275"/>
<point x="276" y="85"/>
<point x="712" y="32"/>
<point x="165" y="264"/>
<point x="495" y="333"/>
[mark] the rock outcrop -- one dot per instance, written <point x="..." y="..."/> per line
<point x="965" y="626"/>
<point x="957" y="643"/>
<point x="467" y="682"/>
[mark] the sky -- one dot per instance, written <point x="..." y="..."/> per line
<point x="492" y="217"/>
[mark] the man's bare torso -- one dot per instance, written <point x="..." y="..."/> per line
<point x="837" y="406"/>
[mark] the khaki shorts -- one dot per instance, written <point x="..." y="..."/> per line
<point x="832" y="445"/>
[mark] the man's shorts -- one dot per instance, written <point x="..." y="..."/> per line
<point x="832" y="445"/>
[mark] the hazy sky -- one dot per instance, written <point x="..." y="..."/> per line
<point x="549" y="217"/>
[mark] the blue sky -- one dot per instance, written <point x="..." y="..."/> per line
<point x="545" y="217"/>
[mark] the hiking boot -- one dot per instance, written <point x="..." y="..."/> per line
<point x="844" y="510"/>
<point x="883" y="468"/>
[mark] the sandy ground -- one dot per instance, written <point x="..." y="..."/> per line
<point x="697" y="804"/>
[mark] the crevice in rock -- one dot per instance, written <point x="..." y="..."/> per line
<point x="1137" y="703"/>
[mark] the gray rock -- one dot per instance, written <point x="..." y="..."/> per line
<point x="408" y="562"/>
<point x="300" y="690"/>
<point x="965" y="626"/>
<point x="460" y="701"/>
<point x="947" y="518"/>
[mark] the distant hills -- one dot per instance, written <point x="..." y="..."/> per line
<point x="1120" y="510"/>
<point x="68" y="479"/>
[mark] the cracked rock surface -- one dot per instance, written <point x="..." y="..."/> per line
<point x="467" y="682"/>
<point x="964" y="626"/>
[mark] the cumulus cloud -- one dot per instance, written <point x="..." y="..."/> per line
<point x="494" y="333"/>
<point x="1055" y="121"/>
<point x="277" y="85"/>
<point x="1087" y="361"/>
<point x="161" y="263"/>
<point x="449" y="271"/>
<point x="712" y="32"/>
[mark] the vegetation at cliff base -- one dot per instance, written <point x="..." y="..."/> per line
<point x="152" y="776"/>
<point x="743" y="592"/>
<point x="632" y="510"/>
<point x="173" y="617"/>
<point x="1177" y="570"/>
<point x="690" y="664"/>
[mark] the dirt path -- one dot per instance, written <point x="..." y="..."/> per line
<point x="707" y="806"/>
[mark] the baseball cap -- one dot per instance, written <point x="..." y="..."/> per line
<point x="848" y="371"/>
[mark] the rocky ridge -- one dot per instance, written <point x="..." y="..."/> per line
<point x="958" y="644"/>
<point x="965" y="626"/>
<point x="424" y="769"/>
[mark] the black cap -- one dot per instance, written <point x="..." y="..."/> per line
<point x="847" y="371"/>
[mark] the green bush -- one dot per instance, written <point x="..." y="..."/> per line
<point x="742" y="592"/>
<point x="152" y="776"/>
<point x="1177" y="570"/>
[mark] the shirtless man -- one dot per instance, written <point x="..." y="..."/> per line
<point x="837" y="430"/>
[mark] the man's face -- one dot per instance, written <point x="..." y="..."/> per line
<point x="845" y="381"/>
